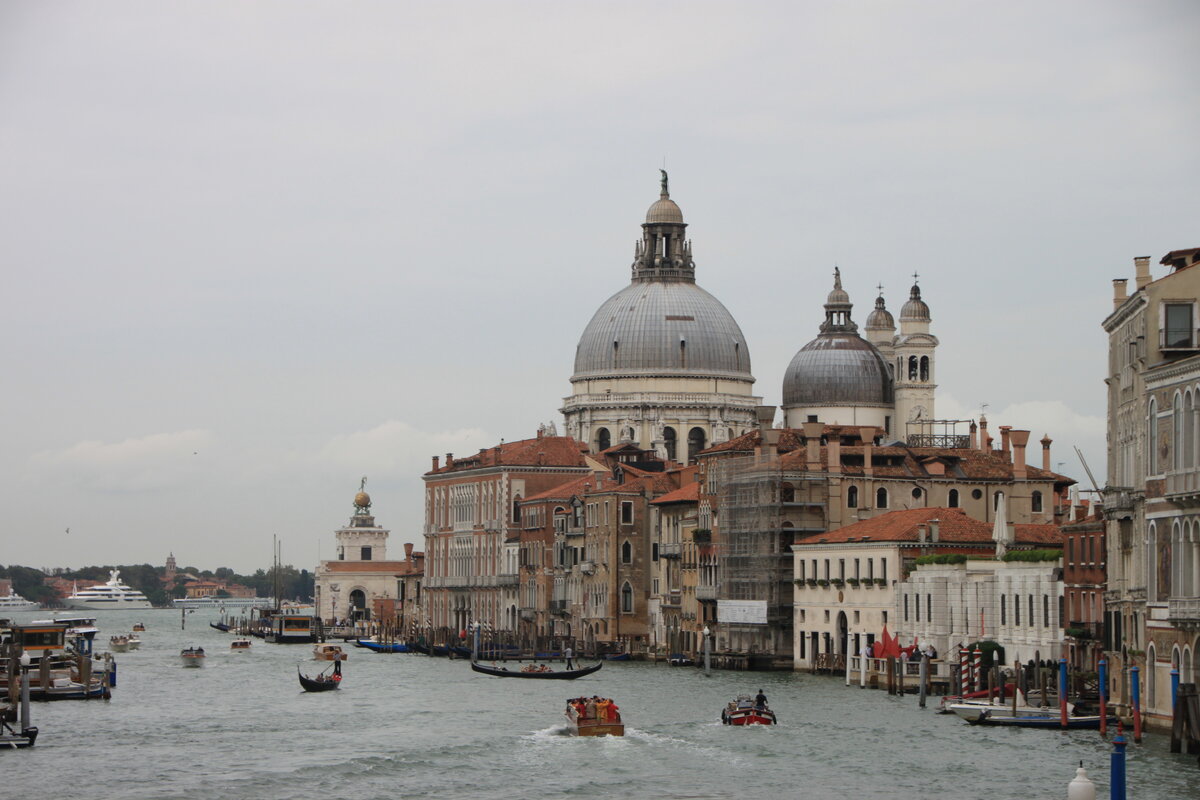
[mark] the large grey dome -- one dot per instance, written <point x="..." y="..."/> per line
<point x="662" y="328"/>
<point x="837" y="369"/>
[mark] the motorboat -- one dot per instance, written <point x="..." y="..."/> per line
<point x="134" y="641"/>
<point x="192" y="656"/>
<point x="139" y="627"/>
<point x="323" y="681"/>
<point x="118" y="644"/>
<point x="111" y="596"/>
<point x="382" y="647"/>
<point x="744" y="711"/>
<point x="1025" y="716"/>
<point x="329" y="652"/>
<point x="586" y="719"/>
<point x="14" y="602"/>
<point x="536" y="671"/>
<point x="239" y="644"/>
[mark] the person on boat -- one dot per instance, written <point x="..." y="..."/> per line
<point x="760" y="700"/>
<point x="589" y="708"/>
<point x="614" y="712"/>
<point x="602" y="710"/>
<point x="569" y="654"/>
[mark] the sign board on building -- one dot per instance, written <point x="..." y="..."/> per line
<point x="742" y="612"/>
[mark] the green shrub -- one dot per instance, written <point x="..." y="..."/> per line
<point x="1033" y="555"/>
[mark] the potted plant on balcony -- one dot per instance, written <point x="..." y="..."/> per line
<point x="822" y="583"/>
<point x="838" y="582"/>
<point x="881" y="581"/>
<point x="852" y="582"/>
<point x="800" y="583"/>
<point x="812" y="581"/>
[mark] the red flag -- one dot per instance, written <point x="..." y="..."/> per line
<point x="890" y="647"/>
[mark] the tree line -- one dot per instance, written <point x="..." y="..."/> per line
<point x="293" y="584"/>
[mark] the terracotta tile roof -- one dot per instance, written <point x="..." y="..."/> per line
<point x="564" y="491"/>
<point x="954" y="527"/>
<point x="390" y="567"/>
<point x="688" y="493"/>
<point x="553" y="451"/>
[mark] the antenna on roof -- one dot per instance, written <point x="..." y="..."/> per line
<point x="1087" y="469"/>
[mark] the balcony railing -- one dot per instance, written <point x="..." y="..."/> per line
<point x="558" y="606"/>
<point x="528" y="613"/>
<point x="1184" y="611"/>
<point x="670" y="550"/>
<point x="706" y="592"/>
<point x="508" y="580"/>
<point x="587" y="567"/>
<point x="672" y="600"/>
<point x="1185" y="481"/>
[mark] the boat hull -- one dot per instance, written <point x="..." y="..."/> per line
<point x="560" y="675"/>
<point x="748" y="716"/>
<point x="378" y="647"/>
<point x="593" y="727"/>
<point x="1024" y="717"/>
<point x="20" y="740"/>
<point x="107" y="604"/>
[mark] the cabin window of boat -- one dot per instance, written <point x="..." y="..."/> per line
<point x="626" y="512"/>
<point x="31" y="639"/>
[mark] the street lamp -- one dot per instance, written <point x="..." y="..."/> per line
<point x="25" y="728"/>
<point x="707" y="650"/>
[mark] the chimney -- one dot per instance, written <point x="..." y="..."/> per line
<point x="983" y="434"/>
<point x="867" y="437"/>
<point x="766" y="424"/>
<point x="1046" y="442"/>
<point x="1141" y="266"/>
<point x="834" y="450"/>
<point x="974" y="436"/>
<point x="1004" y="432"/>
<point x="933" y="530"/>
<point x="1019" y="440"/>
<point x="812" y="446"/>
<point x="1120" y="291"/>
<point x="436" y="463"/>
<point x="541" y="432"/>
<point x="498" y="459"/>
<point x="449" y="460"/>
<point x="921" y="534"/>
<point x="408" y="548"/>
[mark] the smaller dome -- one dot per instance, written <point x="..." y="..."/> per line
<point x="362" y="500"/>
<point x="664" y="210"/>
<point x="881" y="317"/>
<point x="839" y="296"/>
<point x="915" y="309"/>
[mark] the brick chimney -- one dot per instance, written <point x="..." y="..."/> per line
<point x="983" y="434"/>
<point x="867" y="437"/>
<point x="1120" y="291"/>
<point x="834" y="449"/>
<point x="1141" y="266"/>
<point x="408" y="548"/>
<point x="449" y="460"/>
<point x="541" y="432"/>
<point x="436" y="463"/>
<point x="1004" y="433"/>
<point x="974" y="436"/>
<point x="1019" y="440"/>
<point x="1046" y="442"/>
<point x="766" y="424"/>
<point x="812" y="447"/>
<point x="934" y="530"/>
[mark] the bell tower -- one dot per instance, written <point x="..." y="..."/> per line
<point x="915" y="378"/>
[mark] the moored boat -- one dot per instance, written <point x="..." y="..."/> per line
<point x="744" y="711"/>
<point x="322" y="682"/>
<point x="532" y="671"/>
<point x="329" y="652"/>
<point x="1026" y="716"/>
<point x="192" y="656"/>
<point x="14" y="602"/>
<point x="587" y="717"/>
<point x="111" y="596"/>
<point x="382" y="647"/>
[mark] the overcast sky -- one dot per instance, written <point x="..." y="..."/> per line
<point x="253" y="252"/>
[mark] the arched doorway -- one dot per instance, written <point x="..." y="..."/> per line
<point x="696" y="443"/>
<point x="603" y="440"/>
<point x="358" y="605"/>
<point x="843" y="633"/>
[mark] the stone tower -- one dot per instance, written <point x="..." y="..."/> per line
<point x="913" y="356"/>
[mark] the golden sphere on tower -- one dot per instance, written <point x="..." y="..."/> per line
<point x="362" y="500"/>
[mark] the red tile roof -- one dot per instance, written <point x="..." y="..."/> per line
<point x="954" y="527"/>
<point x="688" y="493"/>
<point x="551" y="451"/>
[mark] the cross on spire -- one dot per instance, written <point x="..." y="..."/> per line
<point x="915" y="276"/>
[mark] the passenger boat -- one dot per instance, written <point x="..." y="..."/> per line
<point x="118" y="644"/>
<point x="139" y="627"/>
<point x="1026" y="716"/>
<point x="585" y="726"/>
<point x="743" y="711"/>
<point x="134" y="641"/>
<point x="382" y="647"/>
<point x="57" y="663"/>
<point x="239" y="644"/>
<point x="14" y="602"/>
<point x="324" y="681"/>
<point x="329" y="652"/>
<point x="111" y="596"/>
<point x="529" y="671"/>
<point x="192" y="656"/>
<point x="291" y="629"/>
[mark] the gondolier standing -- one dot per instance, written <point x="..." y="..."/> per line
<point x="569" y="654"/>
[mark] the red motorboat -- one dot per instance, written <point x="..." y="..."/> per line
<point x="744" y="711"/>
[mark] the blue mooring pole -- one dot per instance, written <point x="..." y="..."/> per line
<point x="1174" y="689"/>
<point x="1062" y="691"/>
<point x="1103" y="697"/>
<point x="1136" y="685"/>
<point x="1116" y="787"/>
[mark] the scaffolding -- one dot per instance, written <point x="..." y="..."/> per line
<point x="763" y="511"/>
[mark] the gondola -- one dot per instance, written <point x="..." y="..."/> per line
<point x="323" y="682"/>
<point x="618" y="657"/>
<point x="557" y="675"/>
<point x="382" y="647"/>
<point x="221" y="626"/>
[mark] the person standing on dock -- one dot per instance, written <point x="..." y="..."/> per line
<point x="569" y="654"/>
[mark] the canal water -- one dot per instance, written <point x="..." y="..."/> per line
<point x="407" y="726"/>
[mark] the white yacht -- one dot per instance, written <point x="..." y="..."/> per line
<point x="112" y="595"/>
<point x="14" y="602"/>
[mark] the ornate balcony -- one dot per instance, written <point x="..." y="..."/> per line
<point x="1183" y="484"/>
<point x="670" y="550"/>
<point x="508" y="580"/>
<point x="587" y="567"/>
<point x="558" y="606"/>
<point x="1184" y="612"/>
<point x="706" y="592"/>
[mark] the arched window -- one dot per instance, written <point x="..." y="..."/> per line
<point x="912" y="368"/>
<point x="669" y="442"/>
<point x="1177" y="443"/>
<point x="997" y="499"/>
<point x="626" y="553"/>
<point x="696" y="440"/>
<point x="881" y="500"/>
<point x="1189" y="432"/>
<point x="787" y="493"/>
<point x="953" y="499"/>
<point x="626" y="598"/>
<point x="1151" y="657"/>
<point x="516" y="509"/>
<point x="603" y="440"/>
<point x="924" y="369"/>
<point x="1152" y="439"/>
<point x="852" y="497"/>
<point x="1035" y="502"/>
